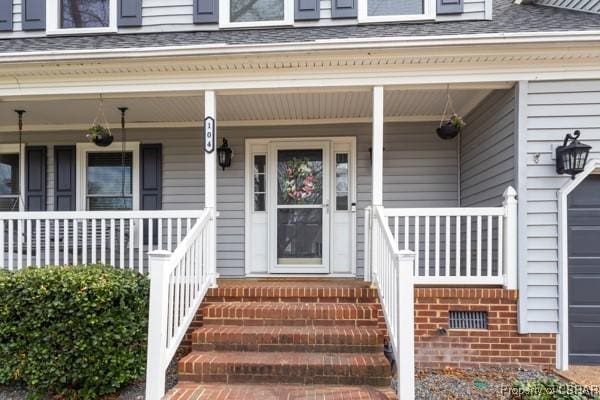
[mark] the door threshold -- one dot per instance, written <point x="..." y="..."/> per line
<point x="287" y="275"/>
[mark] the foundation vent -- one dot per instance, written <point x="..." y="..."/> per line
<point x="468" y="320"/>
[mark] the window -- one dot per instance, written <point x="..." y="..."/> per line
<point x="341" y="182"/>
<point x="107" y="178"/>
<point x="81" y="16"/>
<point x="9" y="182"/>
<point x="260" y="189"/>
<point x="395" y="10"/>
<point x="109" y="181"/>
<point x="238" y="13"/>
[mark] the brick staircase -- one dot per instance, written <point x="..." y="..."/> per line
<point x="283" y="339"/>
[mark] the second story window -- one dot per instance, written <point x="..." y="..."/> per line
<point x="81" y="16"/>
<point x="243" y="13"/>
<point x="395" y="10"/>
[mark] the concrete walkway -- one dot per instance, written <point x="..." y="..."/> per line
<point x="584" y="375"/>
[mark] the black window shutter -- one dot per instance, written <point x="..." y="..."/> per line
<point x="33" y="15"/>
<point x="130" y="13"/>
<point x="450" y="7"/>
<point x="151" y="177"/>
<point x="307" y="10"/>
<point x="35" y="178"/>
<point x="343" y="9"/>
<point x="206" y="11"/>
<point x="6" y="15"/>
<point x="64" y="182"/>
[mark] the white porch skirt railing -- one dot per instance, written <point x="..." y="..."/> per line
<point x="393" y="277"/>
<point x="459" y="246"/>
<point x="118" y="238"/>
<point x="178" y="284"/>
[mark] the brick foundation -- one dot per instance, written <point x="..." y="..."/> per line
<point x="499" y="345"/>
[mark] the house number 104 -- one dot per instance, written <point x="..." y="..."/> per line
<point x="209" y="134"/>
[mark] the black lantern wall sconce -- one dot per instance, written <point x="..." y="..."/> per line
<point x="572" y="157"/>
<point x="371" y="154"/>
<point x="225" y="154"/>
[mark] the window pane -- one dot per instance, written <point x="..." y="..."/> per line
<point x="9" y="174"/>
<point x="105" y="176"/>
<point x="394" y="7"/>
<point x="259" y="202"/>
<point x="341" y="181"/>
<point x="84" y="13"/>
<point x="109" y="203"/>
<point x="299" y="177"/>
<point x="299" y="235"/>
<point x="341" y="202"/>
<point x="259" y="164"/>
<point x="9" y="204"/>
<point x="256" y="10"/>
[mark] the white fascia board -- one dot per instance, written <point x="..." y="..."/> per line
<point x="371" y="43"/>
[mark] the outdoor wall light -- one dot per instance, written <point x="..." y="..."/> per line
<point x="225" y="154"/>
<point x="371" y="154"/>
<point x="572" y="157"/>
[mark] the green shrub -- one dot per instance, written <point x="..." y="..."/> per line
<point x="550" y="389"/>
<point x="78" y="332"/>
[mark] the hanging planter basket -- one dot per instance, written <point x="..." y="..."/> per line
<point x="448" y="131"/>
<point x="450" y="127"/>
<point x="100" y="133"/>
<point x="100" y="136"/>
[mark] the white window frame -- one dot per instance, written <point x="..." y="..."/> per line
<point x="84" y="148"/>
<point x="224" y="22"/>
<point x="14" y="149"/>
<point x="53" y="20"/>
<point x="429" y="13"/>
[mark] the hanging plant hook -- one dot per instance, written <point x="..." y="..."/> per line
<point x="20" y="125"/>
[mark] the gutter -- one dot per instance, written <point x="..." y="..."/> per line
<point x="372" y="43"/>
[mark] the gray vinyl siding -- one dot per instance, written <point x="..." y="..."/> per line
<point x="488" y="164"/>
<point x="177" y="15"/>
<point x="592" y="6"/>
<point x="553" y="109"/>
<point x="419" y="171"/>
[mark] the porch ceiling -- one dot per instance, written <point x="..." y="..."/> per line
<point x="352" y="105"/>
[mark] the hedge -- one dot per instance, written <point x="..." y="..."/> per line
<point x="78" y="332"/>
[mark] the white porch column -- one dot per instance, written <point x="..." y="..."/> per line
<point x="377" y="147"/>
<point x="510" y="238"/>
<point x="210" y="180"/>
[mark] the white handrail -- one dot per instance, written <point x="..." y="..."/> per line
<point x="119" y="238"/>
<point x="393" y="275"/>
<point x="178" y="284"/>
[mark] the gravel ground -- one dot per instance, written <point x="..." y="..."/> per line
<point x="456" y="384"/>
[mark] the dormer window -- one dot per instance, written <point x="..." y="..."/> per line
<point x="248" y="13"/>
<point x="81" y="16"/>
<point x="395" y="10"/>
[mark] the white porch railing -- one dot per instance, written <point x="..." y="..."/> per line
<point x="118" y="238"/>
<point x="393" y="276"/>
<point x="178" y="284"/>
<point x="459" y="246"/>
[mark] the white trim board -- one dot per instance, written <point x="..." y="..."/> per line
<point x="562" y="339"/>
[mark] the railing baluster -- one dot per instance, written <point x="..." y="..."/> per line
<point x="140" y="245"/>
<point x="2" y="244"/>
<point x="11" y="229"/>
<point x="458" y="239"/>
<point x="178" y="231"/>
<point x="159" y="234"/>
<point x="75" y="241"/>
<point x="479" y="246"/>
<point x="437" y="245"/>
<point x="66" y="241"/>
<point x="19" y="244"/>
<point x="447" y="266"/>
<point x="56" y="241"/>
<point x="427" y="254"/>
<point x="121" y="243"/>
<point x="47" y="245"/>
<point x="84" y="241"/>
<point x="150" y="235"/>
<point x="130" y="243"/>
<point x="500" y="242"/>
<point x="406" y="232"/>
<point x="112" y="243"/>
<point x="489" y="245"/>
<point x="103" y="241"/>
<point x="38" y="242"/>
<point x="468" y="250"/>
<point x="94" y="250"/>
<point x="28" y="235"/>
<point x="417" y="244"/>
<point x="169" y="233"/>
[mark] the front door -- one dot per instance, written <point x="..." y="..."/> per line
<point x="299" y="207"/>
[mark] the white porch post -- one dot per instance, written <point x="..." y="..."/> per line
<point x="210" y="181"/>
<point x="510" y="238"/>
<point x="405" y="359"/>
<point x="377" y="147"/>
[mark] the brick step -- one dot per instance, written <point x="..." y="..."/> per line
<point x="291" y="367"/>
<point x="189" y="391"/>
<point x="298" y="314"/>
<point x="288" y="338"/>
<point x="289" y="291"/>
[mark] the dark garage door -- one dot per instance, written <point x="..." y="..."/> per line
<point x="584" y="272"/>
